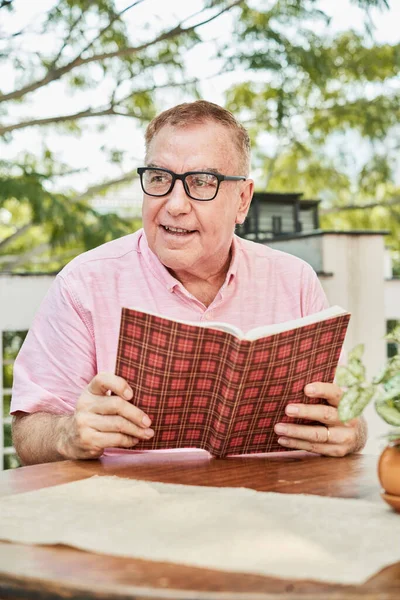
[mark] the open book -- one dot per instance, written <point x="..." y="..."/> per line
<point x="206" y="385"/>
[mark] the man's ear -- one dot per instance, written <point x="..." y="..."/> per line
<point x="245" y="199"/>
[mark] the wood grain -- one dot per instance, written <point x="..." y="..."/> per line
<point x="58" y="572"/>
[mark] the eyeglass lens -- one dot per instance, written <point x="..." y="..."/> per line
<point x="202" y="186"/>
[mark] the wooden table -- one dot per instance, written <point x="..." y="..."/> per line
<point x="44" y="572"/>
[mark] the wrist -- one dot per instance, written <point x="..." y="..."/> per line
<point x="63" y="438"/>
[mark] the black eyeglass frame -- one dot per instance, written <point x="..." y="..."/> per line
<point x="182" y="177"/>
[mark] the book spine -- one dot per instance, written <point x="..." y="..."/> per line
<point x="240" y="357"/>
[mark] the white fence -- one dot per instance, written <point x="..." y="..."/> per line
<point x="20" y="297"/>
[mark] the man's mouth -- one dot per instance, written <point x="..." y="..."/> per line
<point x="178" y="230"/>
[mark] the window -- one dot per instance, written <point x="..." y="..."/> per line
<point x="11" y="343"/>
<point x="391" y="348"/>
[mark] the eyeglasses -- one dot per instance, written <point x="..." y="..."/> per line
<point x="198" y="185"/>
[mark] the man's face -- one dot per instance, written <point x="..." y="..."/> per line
<point x="203" y="248"/>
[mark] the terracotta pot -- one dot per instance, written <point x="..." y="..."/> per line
<point x="389" y="475"/>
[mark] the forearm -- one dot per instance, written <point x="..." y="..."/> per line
<point x="38" y="437"/>
<point x="362" y="434"/>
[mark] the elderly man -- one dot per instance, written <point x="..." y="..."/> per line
<point x="186" y="263"/>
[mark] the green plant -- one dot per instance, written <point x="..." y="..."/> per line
<point x="384" y="388"/>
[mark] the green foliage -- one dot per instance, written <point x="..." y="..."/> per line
<point x="305" y="90"/>
<point x="64" y="227"/>
<point x="384" y="389"/>
<point x="12" y="342"/>
<point x="85" y="44"/>
<point x="11" y="461"/>
<point x="317" y="92"/>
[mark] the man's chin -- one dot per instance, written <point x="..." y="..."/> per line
<point x="174" y="260"/>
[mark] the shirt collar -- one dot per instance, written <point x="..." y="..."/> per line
<point x="165" y="277"/>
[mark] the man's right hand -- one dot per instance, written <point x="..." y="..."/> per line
<point x="103" y="418"/>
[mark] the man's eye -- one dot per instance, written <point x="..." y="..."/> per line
<point x="158" y="177"/>
<point x="204" y="181"/>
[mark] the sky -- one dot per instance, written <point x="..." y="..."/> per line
<point x="84" y="152"/>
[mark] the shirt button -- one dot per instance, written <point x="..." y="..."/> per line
<point x="209" y="316"/>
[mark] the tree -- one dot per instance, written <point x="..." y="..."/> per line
<point x="305" y="90"/>
<point x="89" y="43"/>
<point x="334" y="92"/>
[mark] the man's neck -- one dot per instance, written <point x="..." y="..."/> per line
<point x="204" y="288"/>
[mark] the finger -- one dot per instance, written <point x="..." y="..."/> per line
<point x="329" y="391"/>
<point x="304" y="432"/>
<point x="103" y="382"/>
<point x="113" y="405"/>
<point x="117" y="424"/>
<point x="114" y="440"/>
<point x="316" y="434"/>
<point x="324" y="449"/>
<point x="314" y="412"/>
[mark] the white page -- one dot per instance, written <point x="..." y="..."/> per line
<point x="258" y="332"/>
<point x="227" y="327"/>
<point x="267" y="330"/>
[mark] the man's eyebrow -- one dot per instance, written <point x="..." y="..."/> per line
<point x="212" y="170"/>
<point x="204" y="169"/>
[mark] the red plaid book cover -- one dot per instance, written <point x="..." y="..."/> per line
<point x="208" y="389"/>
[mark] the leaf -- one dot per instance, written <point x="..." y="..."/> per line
<point x="391" y="369"/>
<point x="394" y="335"/>
<point x="354" y="401"/>
<point x="344" y="378"/>
<point x="357" y="369"/>
<point x="357" y="352"/>
<point x="392" y="388"/>
<point x="386" y="409"/>
<point x="394" y="437"/>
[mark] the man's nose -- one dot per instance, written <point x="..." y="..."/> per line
<point x="177" y="200"/>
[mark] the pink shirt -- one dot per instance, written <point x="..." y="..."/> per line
<point x="75" y="332"/>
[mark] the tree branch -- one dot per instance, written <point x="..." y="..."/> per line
<point x="14" y="236"/>
<point x="101" y="187"/>
<point x="66" y="41"/>
<point x="110" y="110"/>
<point x="64" y="118"/>
<point x="178" y="30"/>
<point x="19" y="259"/>
<point x="55" y="74"/>
<point x="111" y="22"/>
<point x="336" y="209"/>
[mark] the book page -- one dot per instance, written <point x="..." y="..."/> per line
<point x="264" y="331"/>
<point x="227" y="327"/>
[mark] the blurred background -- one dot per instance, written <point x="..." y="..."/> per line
<point x="316" y="83"/>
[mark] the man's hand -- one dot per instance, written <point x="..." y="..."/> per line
<point x="332" y="438"/>
<point x="103" y="418"/>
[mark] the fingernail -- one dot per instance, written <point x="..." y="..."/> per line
<point x="128" y="394"/>
<point x="310" y="390"/>
<point x="283" y="441"/>
<point x="146" y="421"/>
<point x="148" y="433"/>
<point x="280" y="428"/>
<point x="291" y="410"/>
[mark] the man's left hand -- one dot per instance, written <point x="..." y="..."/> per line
<point x="332" y="437"/>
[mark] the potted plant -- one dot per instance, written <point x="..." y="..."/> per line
<point x="384" y="390"/>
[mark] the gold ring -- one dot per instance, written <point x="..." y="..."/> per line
<point x="329" y="434"/>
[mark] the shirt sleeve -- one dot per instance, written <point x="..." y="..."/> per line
<point x="57" y="359"/>
<point x="313" y="297"/>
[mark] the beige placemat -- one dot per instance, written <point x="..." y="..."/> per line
<point x="232" y="529"/>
